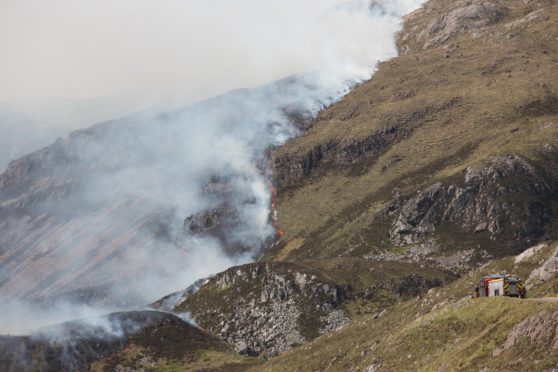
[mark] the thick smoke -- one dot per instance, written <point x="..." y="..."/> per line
<point x="28" y="125"/>
<point x="123" y="189"/>
<point x="67" y="64"/>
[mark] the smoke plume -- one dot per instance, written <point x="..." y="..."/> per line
<point x="105" y="208"/>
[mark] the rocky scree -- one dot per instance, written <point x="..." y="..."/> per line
<point x="267" y="308"/>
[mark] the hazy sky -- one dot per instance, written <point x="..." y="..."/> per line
<point x="161" y="48"/>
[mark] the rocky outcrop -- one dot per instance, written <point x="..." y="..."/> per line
<point x="468" y="15"/>
<point x="540" y="328"/>
<point x="529" y="253"/>
<point x="429" y="252"/>
<point x="22" y="173"/>
<point x="267" y="308"/>
<point x="215" y="221"/>
<point x="547" y="271"/>
<point x="170" y="301"/>
<point x="506" y="199"/>
<point x="289" y="169"/>
<point x="407" y="286"/>
<point x="212" y="221"/>
<point x="533" y="16"/>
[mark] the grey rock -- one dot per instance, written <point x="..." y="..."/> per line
<point x="466" y="17"/>
<point x="539" y="328"/>
<point x="273" y="299"/>
<point x="505" y="199"/>
<point x="547" y="271"/>
<point x="334" y="321"/>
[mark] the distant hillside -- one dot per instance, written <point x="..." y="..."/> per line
<point x="114" y="214"/>
<point x="143" y="338"/>
<point x="31" y="124"/>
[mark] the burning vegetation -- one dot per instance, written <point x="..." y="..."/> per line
<point x="280" y="234"/>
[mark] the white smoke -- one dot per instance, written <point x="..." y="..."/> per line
<point x="22" y="318"/>
<point x="67" y="64"/>
<point x="131" y="175"/>
<point x="28" y="125"/>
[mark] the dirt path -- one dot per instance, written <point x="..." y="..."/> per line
<point x="543" y="299"/>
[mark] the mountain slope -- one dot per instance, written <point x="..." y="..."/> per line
<point x="428" y="116"/>
<point x="398" y="198"/>
<point x="115" y="213"/>
<point x="444" y="161"/>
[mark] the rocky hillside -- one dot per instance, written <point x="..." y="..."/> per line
<point x="264" y="309"/>
<point x="268" y="308"/>
<point x="466" y="117"/>
<point x="116" y="202"/>
<point x="438" y="170"/>
<point x="395" y="201"/>
<point x="446" y="329"/>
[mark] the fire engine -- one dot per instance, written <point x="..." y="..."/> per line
<point x="501" y="285"/>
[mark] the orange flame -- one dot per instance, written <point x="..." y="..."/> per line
<point x="278" y="231"/>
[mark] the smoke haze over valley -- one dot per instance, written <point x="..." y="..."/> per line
<point x="119" y="214"/>
<point x="62" y="59"/>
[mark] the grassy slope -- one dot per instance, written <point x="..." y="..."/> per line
<point x="138" y="358"/>
<point x="472" y="99"/>
<point x="491" y="81"/>
<point x="174" y="349"/>
<point x="442" y="330"/>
